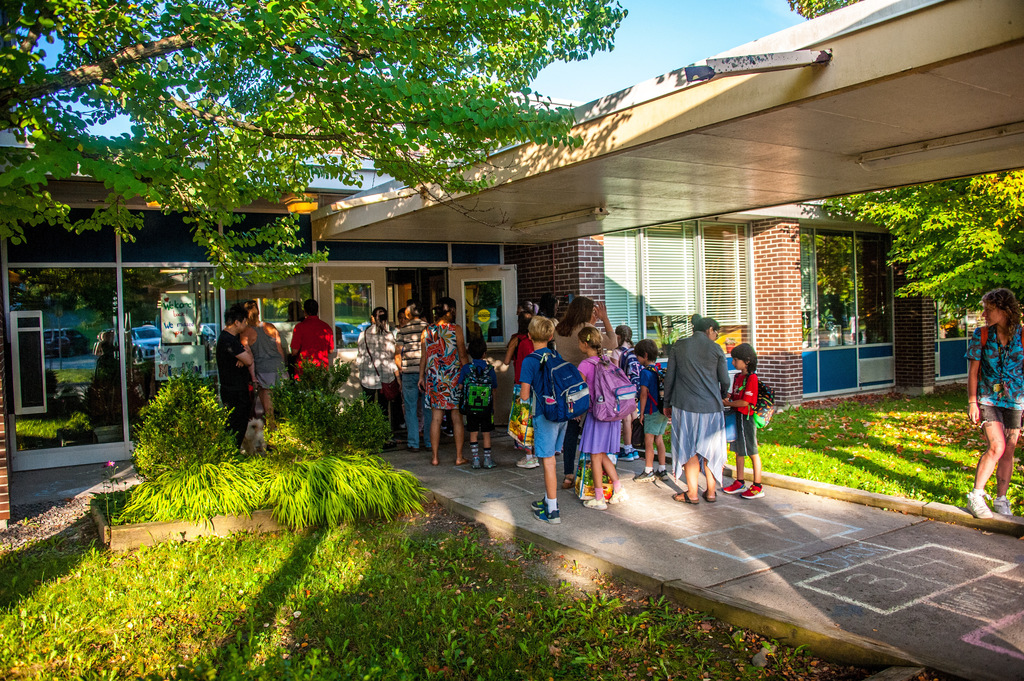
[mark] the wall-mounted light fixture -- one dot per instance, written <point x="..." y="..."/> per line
<point x="998" y="138"/>
<point x="754" y="63"/>
<point x="576" y="217"/>
<point x="303" y="204"/>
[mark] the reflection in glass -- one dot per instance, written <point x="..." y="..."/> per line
<point x="277" y="300"/>
<point x="484" y="315"/>
<point x="82" y="375"/>
<point x="351" y="311"/>
<point x="172" y="316"/>
<point x="834" y="264"/>
<point x="874" y="289"/>
<point x="809" y="313"/>
<point x="951" y="320"/>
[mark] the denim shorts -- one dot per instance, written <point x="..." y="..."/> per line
<point x="547" y="436"/>
<point x="655" y="424"/>
<point x="1010" y="418"/>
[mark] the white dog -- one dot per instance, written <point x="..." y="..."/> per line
<point x="254" y="443"/>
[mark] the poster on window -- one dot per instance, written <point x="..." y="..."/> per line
<point x="172" y="360"/>
<point x="177" y="318"/>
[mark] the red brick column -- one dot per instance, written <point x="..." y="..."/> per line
<point x="777" y="307"/>
<point x="565" y="268"/>
<point x="5" y="497"/>
<point x="914" y="344"/>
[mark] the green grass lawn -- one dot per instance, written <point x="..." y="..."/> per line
<point x="921" y="448"/>
<point x="424" y="597"/>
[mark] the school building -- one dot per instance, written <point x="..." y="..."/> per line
<point x="686" y="196"/>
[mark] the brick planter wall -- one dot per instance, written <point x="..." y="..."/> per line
<point x="568" y="267"/>
<point x="776" y="250"/>
<point x="914" y="347"/>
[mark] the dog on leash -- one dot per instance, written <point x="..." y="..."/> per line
<point x="254" y="442"/>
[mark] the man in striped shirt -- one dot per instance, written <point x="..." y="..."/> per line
<point x="408" y="349"/>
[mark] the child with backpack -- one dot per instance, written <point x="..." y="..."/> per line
<point x="601" y="437"/>
<point x="519" y="348"/>
<point x="478" y="381"/>
<point x="625" y="357"/>
<point x="535" y="386"/>
<point x="653" y="421"/>
<point x="743" y="398"/>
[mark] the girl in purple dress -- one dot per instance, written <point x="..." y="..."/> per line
<point x="599" y="437"/>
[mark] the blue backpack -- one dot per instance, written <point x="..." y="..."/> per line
<point x="630" y="365"/>
<point x="562" y="393"/>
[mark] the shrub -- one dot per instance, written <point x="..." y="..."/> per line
<point x="183" y="426"/>
<point x="362" y="428"/>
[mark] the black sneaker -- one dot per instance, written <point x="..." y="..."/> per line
<point x="644" y="476"/>
<point x="547" y="516"/>
<point x="662" y="475"/>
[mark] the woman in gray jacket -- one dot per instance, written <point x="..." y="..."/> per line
<point x="695" y="383"/>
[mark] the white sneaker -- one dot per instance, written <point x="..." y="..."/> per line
<point x="528" y="461"/>
<point x="619" y="497"/>
<point x="1001" y="505"/>
<point x="597" y="504"/>
<point x="977" y="506"/>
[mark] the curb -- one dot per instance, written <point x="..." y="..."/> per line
<point x="1009" y="525"/>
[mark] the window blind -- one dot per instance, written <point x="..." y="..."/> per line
<point x="621" y="279"/>
<point x="725" y="274"/>
<point x="670" y="272"/>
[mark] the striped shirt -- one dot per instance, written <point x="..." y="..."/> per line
<point x="408" y="340"/>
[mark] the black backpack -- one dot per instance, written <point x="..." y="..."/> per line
<point x="477" y="397"/>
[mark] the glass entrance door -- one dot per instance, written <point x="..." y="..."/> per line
<point x="425" y="284"/>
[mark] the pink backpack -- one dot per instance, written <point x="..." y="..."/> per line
<point x="613" y="395"/>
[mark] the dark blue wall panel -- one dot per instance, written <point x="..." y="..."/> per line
<point x="386" y="251"/>
<point x="874" y="351"/>
<point x="56" y="244"/>
<point x="476" y="254"/>
<point x="838" y="369"/>
<point x="810" y="372"/>
<point x="951" y="357"/>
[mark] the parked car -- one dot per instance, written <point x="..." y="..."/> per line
<point x="145" y="341"/>
<point x="347" y="335"/>
<point x="64" y="342"/>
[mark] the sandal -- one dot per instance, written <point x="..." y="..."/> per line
<point x="682" y="498"/>
<point x="568" y="481"/>
<point x="708" y="499"/>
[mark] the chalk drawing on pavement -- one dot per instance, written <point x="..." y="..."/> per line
<point x="891" y="582"/>
<point x="1006" y="631"/>
<point x="761" y="538"/>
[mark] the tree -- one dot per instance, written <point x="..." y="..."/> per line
<point x="956" y="239"/>
<point x="227" y="102"/>
<point x="815" y="8"/>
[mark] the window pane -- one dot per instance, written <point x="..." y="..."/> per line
<point x="621" y="289"/>
<point x="952" y="321"/>
<point x="726" y="282"/>
<point x="83" y="375"/>
<point x="874" y="309"/>
<point x="807" y="288"/>
<point x="351" y="311"/>
<point x="484" y="311"/>
<point x="172" y="317"/>
<point x="670" y="280"/>
<point x="280" y="301"/>
<point x="834" y="263"/>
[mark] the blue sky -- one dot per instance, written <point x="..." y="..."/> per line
<point x="659" y="36"/>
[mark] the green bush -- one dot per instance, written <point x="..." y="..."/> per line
<point x="183" y="426"/>
<point x="361" y="428"/>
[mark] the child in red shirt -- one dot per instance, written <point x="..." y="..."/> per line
<point x="742" y="398"/>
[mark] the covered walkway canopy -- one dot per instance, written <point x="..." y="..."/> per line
<point x="916" y="91"/>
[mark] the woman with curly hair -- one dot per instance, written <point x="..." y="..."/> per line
<point x="995" y="396"/>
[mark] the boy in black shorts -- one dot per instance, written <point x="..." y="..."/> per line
<point x="478" y="382"/>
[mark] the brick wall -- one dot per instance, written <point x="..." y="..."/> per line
<point x="568" y="267"/>
<point x="776" y="248"/>
<point x="5" y="497"/>
<point x="914" y="346"/>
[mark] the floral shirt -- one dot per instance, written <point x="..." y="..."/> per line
<point x="1001" y="372"/>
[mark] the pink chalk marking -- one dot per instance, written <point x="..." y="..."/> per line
<point x="975" y="637"/>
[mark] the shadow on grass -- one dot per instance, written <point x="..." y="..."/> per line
<point x="31" y="567"/>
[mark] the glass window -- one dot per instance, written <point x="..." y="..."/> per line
<point x="484" y="311"/>
<point x="808" y="307"/>
<point x="172" y="317"/>
<point x="351" y="311"/>
<point x="834" y="265"/>
<point x="82" y="372"/>
<point x="874" y="289"/>
<point x="280" y="301"/>
<point x="726" y="282"/>
<point x="951" y="320"/>
<point x="621" y="283"/>
<point x="669" y="280"/>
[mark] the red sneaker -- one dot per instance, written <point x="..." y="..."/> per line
<point x="755" y="492"/>
<point x="734" y="488"/>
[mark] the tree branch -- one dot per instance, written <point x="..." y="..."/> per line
<point x="98" y="72"/>
<point x="250" y="127"/>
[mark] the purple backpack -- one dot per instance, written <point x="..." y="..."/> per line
<point x="613" y="395"/>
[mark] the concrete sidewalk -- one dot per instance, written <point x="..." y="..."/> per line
<point x="852" y="582"/>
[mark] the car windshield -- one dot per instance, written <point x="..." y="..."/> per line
<point x="146" y="332"/>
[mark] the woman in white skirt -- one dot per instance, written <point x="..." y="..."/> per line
<point x="695" y="383"/>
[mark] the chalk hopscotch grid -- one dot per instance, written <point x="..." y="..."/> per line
<point x="793" y="545"/>
<point x="1002" y="566"/>
<point x="975" y="638"/>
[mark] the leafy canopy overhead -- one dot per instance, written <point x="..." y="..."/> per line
<point x="231" y="102"/>
<point x="957" y="239"/>
<point x="815" y="8"/>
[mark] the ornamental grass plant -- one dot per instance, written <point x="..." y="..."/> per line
<point x="321" y="467"/>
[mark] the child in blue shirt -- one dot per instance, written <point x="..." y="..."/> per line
<point x="547" y="435"/>
<point x="478" y="421"/>
<point x="654" y="422"/>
